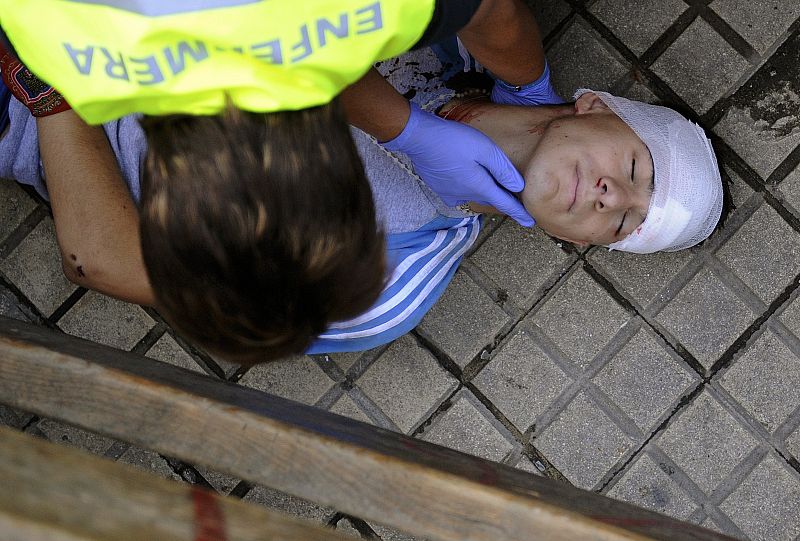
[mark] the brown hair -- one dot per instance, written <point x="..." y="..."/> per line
<point x="258" y="230"/>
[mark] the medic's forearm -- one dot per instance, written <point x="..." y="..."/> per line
<point x="97" y="223"/>
<point x="374" y="106"/>
<point x="504" y="37"/>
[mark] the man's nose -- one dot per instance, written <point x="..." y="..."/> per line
<point x="609" y="195"/>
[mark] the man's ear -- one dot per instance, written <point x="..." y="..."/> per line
<point x="589" y="102"/>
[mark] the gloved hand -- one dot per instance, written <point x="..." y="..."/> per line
<point x="40" y="98"/>
<point x="460" y="163"/>
<point x="539" y="92"/>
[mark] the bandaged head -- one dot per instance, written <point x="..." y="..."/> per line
<point x="687" y="198"/>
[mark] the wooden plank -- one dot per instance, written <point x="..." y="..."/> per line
<point x="54" y="493"/>
<point x="417" y="487"/>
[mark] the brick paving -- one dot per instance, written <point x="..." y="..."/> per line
<point x="671" y="381"/>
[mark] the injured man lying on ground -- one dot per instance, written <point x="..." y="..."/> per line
<point x="603" y="170"/>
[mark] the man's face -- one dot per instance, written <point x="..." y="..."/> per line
<point x="591" y="177"/>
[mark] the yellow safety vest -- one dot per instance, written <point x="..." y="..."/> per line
<point x="114" y="57"/>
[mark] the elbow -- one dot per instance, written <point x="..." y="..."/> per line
<point x="76" y="271"/>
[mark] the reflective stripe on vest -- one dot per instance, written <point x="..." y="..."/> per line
<point x="114" y="57"/>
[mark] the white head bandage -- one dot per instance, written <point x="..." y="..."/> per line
<point x="687" y="198"/>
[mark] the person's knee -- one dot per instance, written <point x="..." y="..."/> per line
<point x="258" y="230"/>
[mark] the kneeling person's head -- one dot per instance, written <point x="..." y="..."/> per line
<point x="258" y="230"/>
<point x="628" y="175"/>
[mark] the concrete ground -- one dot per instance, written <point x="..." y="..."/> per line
<point x="671" y="381"/>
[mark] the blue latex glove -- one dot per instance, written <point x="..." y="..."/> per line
<point x="539" y="92"/>
<point x="460" y="164"/>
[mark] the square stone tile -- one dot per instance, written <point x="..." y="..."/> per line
<point x="580" y="318"/>
<point x="345" y="406"/>
<point x="10" y="306"/>
<point x="108" y="321"/>
<point x="706" y="317"/>
<point x="149" y="461"/>
<point x="297" y="378"/>
<point x="740" y="190"/>
<point x="760" y="23"/>
<point x="521" y="261"/>
<point x="389" y="534"/>
<point x="641" y="277"/>
<point x="646" y="485"/>
<point x="35" y="268"/>
<point x="221" y="482"/>
<point x="644" y="379"/>
<point x="639" y="92"/>
<point x="765" y="506"/>
<point x="766" y="380"/>
<point x="466" y="427"/>
<point x="291" y="505"/>
<point x="15" y="205"/>
<point x="581" y="59"/>
<point x="638" y="23"/>
<point x="345" y="527"/>
<point x="521" y="380"/>
<point x="764" y="237"/>
<point x="762" y="124"/>
<point x="793" y="443"/>
<point x="583" y="443"/>
<point x="13" y="418"/>
<point x="464" y="321"/>
<point x="167" y="350"/>
<point x="706" y="442"/>
<point x="700" y="79"/>
<point x="548" y="14"/>
<point x="75" y="437"/>
<point x="789" y="190"/>
<point x="407" y="383"/>
<point x="791" y="316"/>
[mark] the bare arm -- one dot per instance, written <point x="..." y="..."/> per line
<point x="96" y="220"/>
<point x="374" y="106"/>
<point x="504" y="37"/>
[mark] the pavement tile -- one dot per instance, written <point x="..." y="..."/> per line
<point x="638" y="23"/>
<point x="639" y="92"/>
<point x="108" y="321"/>
<point x="706" y="316"/>
<point x="765" y="506"/>
<point x="291" y="505"/>
<point x="766" y="381"/>
<point x="407" y="383"/>
<point x="10" y="306"/>
<point x="706" y="442"/>
<point x="76" y="437"/>
<point x="525" y="464"/>
<point x="149" y="461"/>
<point x="221" y="482"/>
<point x="761" y="123"/>
<point x="789" y="189"/>
<point x="346" y="360"/>
<point x="520" y="261"/>
<point x="644" y="380"/>
<point x="548" y="14"/>
<point x="521" y="380"/>
<point x="580" y="318"/>
<point x="13" y="418"/>
<point x="583" y="443"/>
<point x="35" y="268"/>
<point x="345" y="527"/>
<point x="464" y="321"/>
<point x="15" y="205"/>
<point x="465" y="427"/>
<point x="345" y="406"/>
<point x="646" y="485"/>
<point x="167" y="350"/>
<point x="388" y="534"/>
<point x="760" y="23"/>
<point x="642" y="277"/>
<point x="580" y="59"/>
<point x="793" y="443"/>
<point x="791" y="316"/>
<point x="740" y="190"/>
<point x="764" y="237"/>
<point x="700" y="79"/>
<point x="296" y="378"/>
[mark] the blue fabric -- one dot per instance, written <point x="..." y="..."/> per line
<point x="424" y="262"/>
